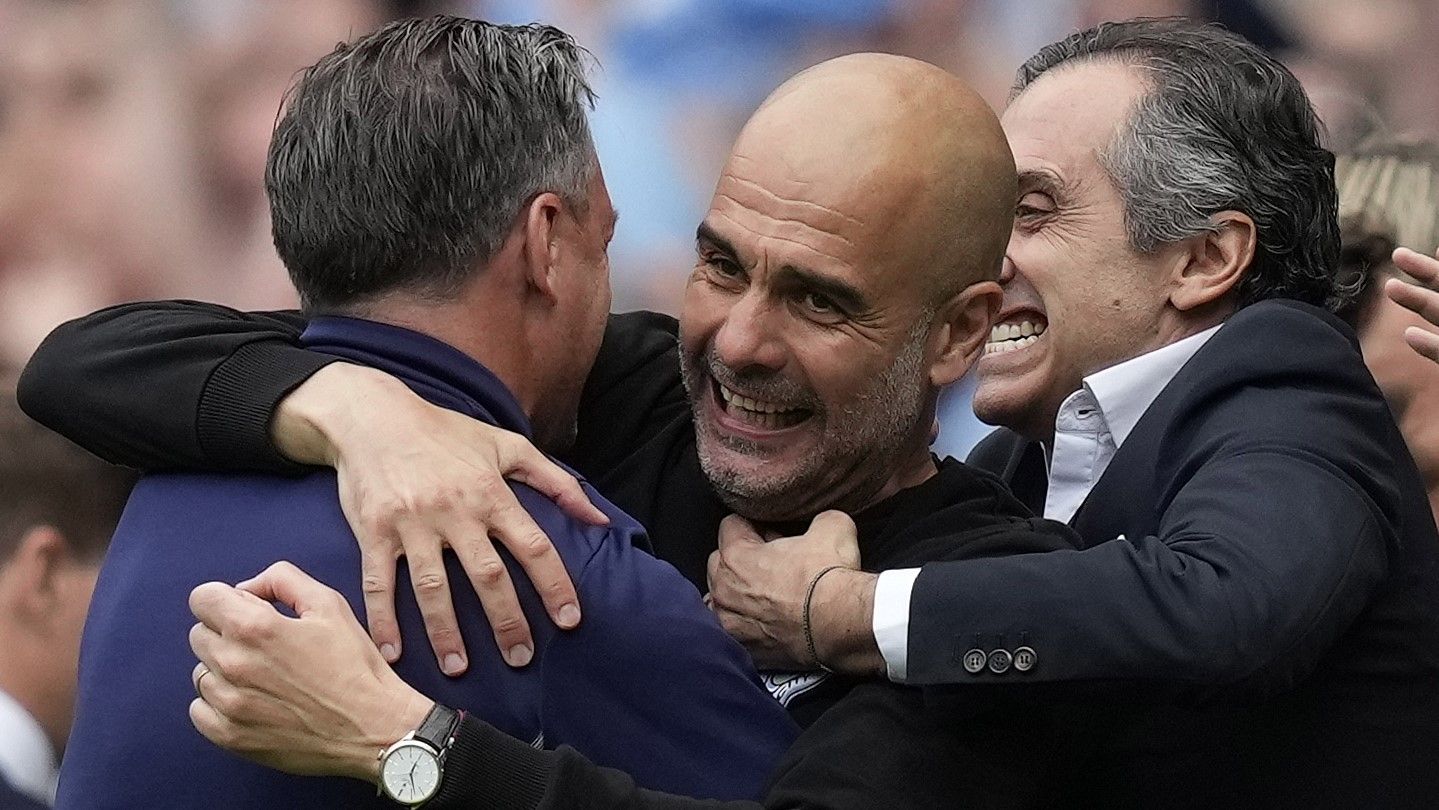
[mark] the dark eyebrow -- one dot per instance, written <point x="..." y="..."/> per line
<point x="704" y="233"/>
<point x="844" y="295"/>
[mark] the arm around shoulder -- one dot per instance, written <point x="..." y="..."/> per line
<point x="1231" y="591"/>
<point x="170" y="384"/>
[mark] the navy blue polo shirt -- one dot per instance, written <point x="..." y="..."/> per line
<point x="649" y="682"/>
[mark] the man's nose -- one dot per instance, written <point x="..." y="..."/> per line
<point x="749" y="335"/>
<point x="1006" y="270"/>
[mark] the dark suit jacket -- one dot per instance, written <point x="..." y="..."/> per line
<point x="1263" y="534"/>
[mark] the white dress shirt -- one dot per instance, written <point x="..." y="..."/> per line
<point x="27" y="760"/>
<point x="1091" y="425"/>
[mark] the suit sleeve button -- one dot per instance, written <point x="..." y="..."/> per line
<point x="1024" y="659"/>
<point x="999" y="661"/>
<point x="974" y="661"/>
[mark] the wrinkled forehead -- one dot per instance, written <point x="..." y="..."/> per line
<point x="799" y="203"/>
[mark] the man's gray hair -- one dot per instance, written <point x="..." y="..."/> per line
<point x="1223" y="126"/>
<point x="404" y="158"/>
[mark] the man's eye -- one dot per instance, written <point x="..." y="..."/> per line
<point x="722" y="266"/>
<point x="819" y="303"/>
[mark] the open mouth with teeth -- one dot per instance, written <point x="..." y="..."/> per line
<point x="1015" y="333"/>
<point x="759" y="413"/>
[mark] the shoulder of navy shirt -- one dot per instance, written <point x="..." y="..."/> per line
<point x="648" y="683"/>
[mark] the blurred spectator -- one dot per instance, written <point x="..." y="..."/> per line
<point x="97" y="182"/>
<point x="58" y="508"/>
<point x="132" y="132"/>
<point x="1389" y="196"/>
<point x="132" y="138"/>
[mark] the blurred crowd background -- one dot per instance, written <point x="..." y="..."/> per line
<point x="133" y="132"/>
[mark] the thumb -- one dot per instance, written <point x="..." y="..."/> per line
<point x="212" y="602"/>
<point x="284" y="583"/>
<point x="534" y="469"/>
<point x="838" y="528"/>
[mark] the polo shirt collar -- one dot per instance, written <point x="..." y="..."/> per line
<point x="436" y="370"/>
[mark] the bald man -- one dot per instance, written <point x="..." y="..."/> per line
<point x="845" y="272"/>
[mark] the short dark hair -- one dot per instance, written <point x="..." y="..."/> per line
<point x="47" y="481"/>
<point x="402" y="159"/>
<point x="1223" y="127"/>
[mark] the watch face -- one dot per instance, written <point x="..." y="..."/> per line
<point x="411" y="773"/>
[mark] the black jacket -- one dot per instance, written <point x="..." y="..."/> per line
<point x="1269" y="502"/>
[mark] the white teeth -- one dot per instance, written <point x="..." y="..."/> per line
<point x="1007" y="337"/>
<point x="766" y="415"/>
<point x="731" y="398"/>
<point x="1015" y="331"/>
<point x="1002" y="346"/>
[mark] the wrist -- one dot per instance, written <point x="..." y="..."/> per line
<point x="841" y="615"/>
<point x="312" y="422"/>
<point x="405" y="712"/>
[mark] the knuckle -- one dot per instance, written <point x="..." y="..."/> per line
<point x="533" y="546"/>
<point x="233" y="703"/>
<point x="437" y="499"/>
<point x="490" y="573"/>
<point x="250" y="630"/>
<point x="222" y="732"/>
<point x="235" y="669"/>
<point x="557" y="589"/>
<point x="444" y="636"/>
<point x="504" y="509"/>
<point x="491" y="490"/>
<point x="381" y="510"/>
<point x="430" y="583"/>
<point x="336" y="602"/>
<point x="375" y="522"/>
<point x="508" y="625"/>
<point x="372" y="584"/>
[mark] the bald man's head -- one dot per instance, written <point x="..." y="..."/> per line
<point x="912" y="156"/>
<point x="845" y="274"/>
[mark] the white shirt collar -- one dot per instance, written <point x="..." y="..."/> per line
<point x="1125" y="391"/>
<point x="1095" y="420"/>
<point x="27" y="760"/>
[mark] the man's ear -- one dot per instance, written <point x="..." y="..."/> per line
<point x="543" y="223"/>
<point x="1215" y="262"/>
<point x="964" y="325"/>
<point x="31" y="578"/>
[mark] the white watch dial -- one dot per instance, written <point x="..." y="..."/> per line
<point x="411" y="773"/>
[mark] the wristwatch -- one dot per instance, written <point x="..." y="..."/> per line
<point x="411" y="769"/>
